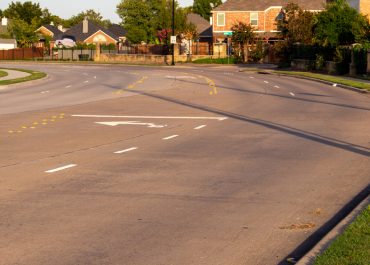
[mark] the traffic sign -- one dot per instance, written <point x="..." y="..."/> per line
<point x="228" y="34"/>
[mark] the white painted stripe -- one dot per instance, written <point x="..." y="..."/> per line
<point x="292" y="94"/>
<point x="334" y="85"/>
<point x="126" y="150"/>
<point x="68" y="86"/>
<point x="152" y="117"/>
<point x="276" y="87"/>
<point x="170" y="137"/>
<point x="200" y="127"/>
<point x="94" y="77"/>
<point x="266" y="82"/>
<point x="251" y="77"/>
<point x="44" y="92"/>
<point x="60" y="168"/>
<point x="87" y="81"/>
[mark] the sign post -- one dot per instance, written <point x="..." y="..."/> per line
<point x="228" y="35"/>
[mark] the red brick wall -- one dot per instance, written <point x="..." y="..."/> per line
<point x="232" y="18"/>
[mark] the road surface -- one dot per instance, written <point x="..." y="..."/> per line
<point x="138" y="165"/>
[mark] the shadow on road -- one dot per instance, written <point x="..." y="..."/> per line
<point x="361" y="150"/>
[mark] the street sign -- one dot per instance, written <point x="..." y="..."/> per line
<point x="228" y="34"/>
<point x="173" y="39"/>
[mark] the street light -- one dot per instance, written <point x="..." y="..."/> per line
<point x="173" y="31"/>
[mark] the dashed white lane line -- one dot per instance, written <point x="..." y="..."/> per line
<point x="292" y="94"/>
<point x="68" y="86"/>
<point x="170" y="137"/>
<point x="266" y="82"/>
<point x="95" y="77"/>
<point x="60" y="168"/>
<point x="44" y="92"/>
<point x="200" y="127"/>
<point x="126" y="150"/>
<point x="276" y="87"/>
<point x="87" y="81"/>
<point x="251" y="77"/>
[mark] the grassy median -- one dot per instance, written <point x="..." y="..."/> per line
<point x="3" y="74"/>
<point x="34" y="75"/>
<point x="352" y="247"/>
<point x="329" y="78"/>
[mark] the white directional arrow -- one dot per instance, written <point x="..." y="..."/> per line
<point x="116" y="123"/>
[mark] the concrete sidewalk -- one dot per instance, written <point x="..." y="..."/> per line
<point x="13" y="74"/>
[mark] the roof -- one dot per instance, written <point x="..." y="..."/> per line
<point x="261" y="5"/>
<point x="117" y="30"/>
<point x="204" y="28"/>
<point x="53" y="29"/>
<point x="76" y="32"/>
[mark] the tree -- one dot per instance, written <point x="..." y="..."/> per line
<point x="341" y="24"/>
<point x="242" y="35"/>
<point x="143" y="19"/>
<point x="91" y="15"/>
<point x="204" y="7"/>
<point x="297" y="24"/>
<point x="23" y="32"/>
<point x="26" y="11"/>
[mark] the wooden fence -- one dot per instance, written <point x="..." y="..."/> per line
<point x="22" y="53"/>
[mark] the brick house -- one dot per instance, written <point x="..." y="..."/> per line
<point x="362" y="6"/>
<point x="261" y="14"/>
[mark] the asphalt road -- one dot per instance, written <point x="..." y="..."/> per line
<point x="187" y="165"/>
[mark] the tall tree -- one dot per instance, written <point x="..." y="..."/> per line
<point x="204" y="7"/>
<point x="26" y="11"/>
<point x="23" y="32"/>
<point x="91" y="15"/>
<point x="341" y="24"/>
<point x="242" y="36"/>
<point x="296" y="24"/>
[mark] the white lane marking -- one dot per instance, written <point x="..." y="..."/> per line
<point x="95" y="77"/>
<point x="44" y="92"/>
<point x="292" y="94"/>
<point x="87" y="81"/>
<point x="60" y="168"/>
<point x="200" y="127"/>
<point x="251" y="77"/>
<point x="334" y="85"/>
<point x="151" y="117"/>
<point x="116" y="123"/>
<point x="266" y="82"/>
<point x="68" y="86"/>
<point x="170" y="137"/>
<point x="276" y="87"/>
<point x="126" y="150"/>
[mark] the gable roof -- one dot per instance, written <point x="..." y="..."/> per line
<point x="204" y="28"/>
<point x="52" y="29"/>
<point x="261" y="5"/>
<point x="78" y="35"/>
<point x="117" y="30"/>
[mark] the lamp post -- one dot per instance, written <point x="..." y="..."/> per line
<point x="173" y="31"/>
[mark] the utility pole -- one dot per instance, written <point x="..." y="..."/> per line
<point x="173" y="31"/>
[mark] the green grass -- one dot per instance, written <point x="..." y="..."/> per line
<point x="352" y="247"/>
<point x="333" y="79"/>
<point x="34" y="75"/>
<point x="215" y="61"/>
<point x="3" y="74"/>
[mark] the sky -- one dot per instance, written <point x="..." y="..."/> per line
<point x="68" y="8"/>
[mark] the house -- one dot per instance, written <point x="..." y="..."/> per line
<point x="362" y="6"/>
<point x="118" y="31"/>
<point x="262" y="15"/>
<point x="204" y="28"/>
<point x="8" y="44"/>
<point x="85" y="32"/>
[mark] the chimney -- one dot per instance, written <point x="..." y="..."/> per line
<point x="4" y="21"/>
<point x="60" y="27"/>
<point x="85" y="26"/>
<point x="51" y="23"/>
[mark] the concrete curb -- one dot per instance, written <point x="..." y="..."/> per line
<point x="325" y="242"/>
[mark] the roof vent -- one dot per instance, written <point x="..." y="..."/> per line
<point x="85" y="26"/>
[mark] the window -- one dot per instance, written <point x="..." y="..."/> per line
<point x="220" y="19"/>
<point x="254" y="19"/>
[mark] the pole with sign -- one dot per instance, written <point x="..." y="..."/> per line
<point x="228" y="35"/>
